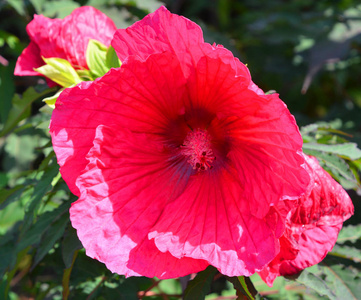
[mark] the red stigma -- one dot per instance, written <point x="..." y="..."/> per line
<point x="197" y="147"/>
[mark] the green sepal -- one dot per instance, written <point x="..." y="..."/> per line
<point x="100" y="59"/>
<point x="52" y="99"/>
<point x="112" y="59"/>
<point x="85" y="75"/>
<point x="60" y="71"/>
<point x="95" y="56"/>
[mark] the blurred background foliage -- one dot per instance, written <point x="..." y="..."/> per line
<point x="308" y="51"/>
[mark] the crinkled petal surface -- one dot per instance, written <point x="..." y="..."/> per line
<point x="83" y="24"/>
<point x="29" y="59"/>
<point x="138" y="96"/>
<point x="163" y="31"/>
<point x="314" y="244"/>
<point x="120" y="201"/>
<point x="67" y="38"/>
<point x="327" y="202"/>
<point x="158" y="32"/>
<point x="313" y="226"/>
<point x="139" y="188"/>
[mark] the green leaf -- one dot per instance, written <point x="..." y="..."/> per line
<point x="41" y="188"/>
<point x="21" y="109"/>
<point x="347" y="150"/>
<point x="112" y="60"/>
<point x="199" y="287"/>
<point x="59" y="9"/>
<point x="52" y="234"/>
<point x="336" y="164"/>
<point x="312" y="278"/>
<point x="9" y="196"/>
<point x="7" y="257"/>
<point x="334" y="281"/>
<point x="52" y="99"/>
<point x="19" y="6"/>
<point x="7" y="89"/>
<point x="350" y="233"/>
<point x="348" y="252"/>
<point x="60" y="71"/>
<point x="66" y="276"/>
<point x="70" y="245"/>
<point x="38" y="5"/>
<point x="244" y="287"/>
<point x="34" y="235"/>
<point x="96" y="54"/>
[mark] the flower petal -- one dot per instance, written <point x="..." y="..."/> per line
<point x="132" y="96"/>
<point x="83" y="24"/>
<point x="263" y="137"/>
<point x="124" y="188"/>
<point x="313" y="226"/>
<point x="326" y="202"/>
<point x="157" y="32"/>
<point x="314" y="244"/>
<point x="67" y="39"/>
<point x="29" y="60"/>
<point x="163" y="31"/>
<point x="211" y="221"/>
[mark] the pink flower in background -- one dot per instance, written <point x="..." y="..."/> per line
<point x="313" y="226"/>
<point x="67" y="39"/>
<point x="178" y="158"/>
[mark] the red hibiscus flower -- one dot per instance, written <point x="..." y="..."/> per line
<point x="67" y="39"/>
<point x="178" y="159"/>
<point x="313" y="226"/>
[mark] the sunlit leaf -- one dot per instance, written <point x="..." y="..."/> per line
<point x="336" y="164"/>
<point x="52" y="99"/>
<point x="350" y="233"/>
<point x="244" y="287"/>
<point x="334" y="281"/>
<point x="348" y="252"/>
<point x="96" y="54"/>
<point x="60" y="71"/>
<point x="112" y="60"/>
<point x="59" y="9"/>
<point x="348" y="150"/>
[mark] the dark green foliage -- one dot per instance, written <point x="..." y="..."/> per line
<point x="200" y="286"/>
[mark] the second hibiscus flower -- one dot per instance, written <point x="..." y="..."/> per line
<point x="178" y="158"/>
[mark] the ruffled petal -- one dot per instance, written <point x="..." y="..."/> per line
<point x="211" y="221"/>
<point x="262" y="136"/>
<point x="29" y="60"/>
<point x="289" y="249"/>
<point x="326" y="202"/>
<point x="157" y="32"/>
<point x="124" y="189"/>
<point x="314" y="244"/>
<point x="313" y="225"/>
<point x="45" y="32"/>
<point x="132" y="96"/>
<point x="83" y="24"/>
<point x="67" y="39"/>
<point x="163" y="31"/>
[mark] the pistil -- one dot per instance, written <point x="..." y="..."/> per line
<point x="197" y="147"/>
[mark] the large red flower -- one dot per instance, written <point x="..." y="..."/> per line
<point x="313" y="226"/>
<point x="67" y="39"/>
<point x="179" y="160"/>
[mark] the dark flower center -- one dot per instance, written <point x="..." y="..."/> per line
<point x="197" y="148"/>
